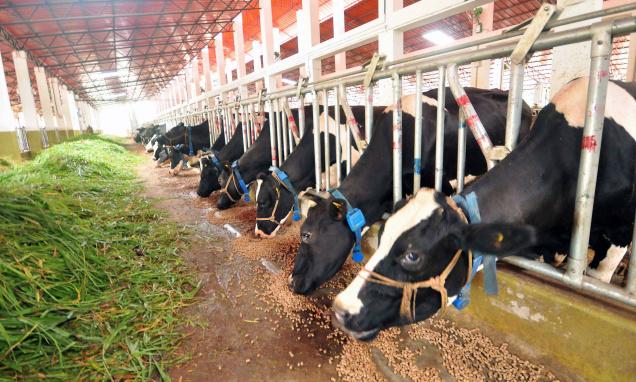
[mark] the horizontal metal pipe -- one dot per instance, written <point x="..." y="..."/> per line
<point x="587" y="284"/>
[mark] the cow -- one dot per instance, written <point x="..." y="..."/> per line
<point x="213" y="165"/>
<point x="525" y="204"/>
<point x="274" y="200"/>
<point x="256" y="160"/>
<point x="326" y="238"/>
<point x="199" y="140"/>
<point x="172" y="137"/>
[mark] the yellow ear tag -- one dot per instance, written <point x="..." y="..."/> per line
<point x="499" y="239"/>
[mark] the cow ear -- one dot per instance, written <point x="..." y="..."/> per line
<point x="226" y="165"/>
<point x="500" y="239"/>
<point x="337" y="209"/>
<point x="261" y="176"/>
<point x="306" y="200"/>
<point x="401" y="203"/>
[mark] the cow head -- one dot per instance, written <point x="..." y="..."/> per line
<point x="274" y="204"/>
<point x="176" y="156"/>
<point x="418" y="243"/>
<point x="209" y="181"/>
<point x="325" y="243"/>
<point x="229" y="185"/>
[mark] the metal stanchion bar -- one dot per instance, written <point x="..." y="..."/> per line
<point x="316" y="122"/>
<point x="461" y="151"/>
<point x="368" y="112"/>
<point x="417" y="144"/>
<point x="272" y="133"/>
<point x="397" y="138"/>
<point x="285" y="130"/>
<point x="279" y="122"/>
<point x="590" y="153"/>
<point x="338" y="144"/>
<point x="439" y="131"/>
<point x="244" y="129"/>
<point x="325" y="98"/>
<point x="301" y="115"/>
<point x="630" y="284"/>
<point x="515" y="105"/>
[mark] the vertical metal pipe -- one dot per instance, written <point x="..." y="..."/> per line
<point x="397" y="138"/>
<point x="244" y="129"/>
<point x="630" y="284"/>
<point x="279" y="125"/>
<point x="325" y="98"/>
<point x="285" y="130"/>
<point x="439" y="131"/>
<point x="417" y="144"/>
<point x="301" y="115"/>
<point x="515" y="105"/>
<point x="338" y="144"/>
<point x="368" y="112"/>
<point x="290" y="138"/>
<point x="461" y="151"/>
<point x="316" y="122"/>
<point x="248" y="123"/>
<point x="590" y="153"/>
<point x="348" y="145"/>
<point x="272" y="133"/>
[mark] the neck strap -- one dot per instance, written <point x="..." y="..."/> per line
<point x="241" y="183"/>
<point x="355" y="221"/>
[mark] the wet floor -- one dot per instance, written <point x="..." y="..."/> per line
<point x="247" y="326"/>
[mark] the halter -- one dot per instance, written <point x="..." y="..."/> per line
<point x="409" y="289"/>
<point x="235" y="176"/>
<point x="355" y="221"/>
<point x="283" y="179"/>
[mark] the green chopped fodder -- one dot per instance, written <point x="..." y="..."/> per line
<point x="90" y="279"/>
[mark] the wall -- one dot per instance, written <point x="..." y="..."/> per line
<point x="117" y="118"/>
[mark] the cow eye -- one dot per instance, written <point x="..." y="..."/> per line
<point x="305" y="236"/>
<point x="410" y="261"/>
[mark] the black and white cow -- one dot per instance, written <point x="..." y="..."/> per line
<point x="326" y="239"/>
<point x="200" y="141"/>
<point x="212" y="167"/>
<point x="527" y="200"/>
<point x="274" y="202"/>
<point x="172" y="137"/>
<point x="255" y="160"/>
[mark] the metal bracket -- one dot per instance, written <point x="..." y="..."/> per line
<point x="498" y="153"/>
<point x="351" y="120"/>
<point x="302" y="81"/>
<point x="372" y="66"/>
<point x="545" y="13"/>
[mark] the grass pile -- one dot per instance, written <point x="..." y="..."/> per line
<point x="90" y="279"/>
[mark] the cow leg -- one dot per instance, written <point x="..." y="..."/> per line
<point x="606" y="268"/>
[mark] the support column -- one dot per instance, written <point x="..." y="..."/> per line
<point x="339" y="29"/>
<point x="631" y="58"/>
<point x="205" y="53"/>
<point x="62" y="122"/>
<point x="572" y="61"/>
<point x="8" y="141"/>
<point x="311" y="36"/>
<point x="196" y="79"/>
<point x="391" y="45"/>
<point x="220" y="58"/>
<point x="30" y="137"/>
<point x="482" y="22"/>
<point x="45" y="101"/>
<point x="72" y="108"/>
<point x="267" y="40"/>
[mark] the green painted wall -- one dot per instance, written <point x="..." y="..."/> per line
<point x="591" y="338"/>
<point x="9" y="143"/>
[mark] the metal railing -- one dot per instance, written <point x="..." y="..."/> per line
<point x="444" y="61"/>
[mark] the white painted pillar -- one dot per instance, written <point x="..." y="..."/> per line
<point x="25" y="91"/>
<point x="267" y="39"/>
<point x="311" y="36"/>
<point x="72" y="107"/>
<point x="45" y="98"/>
<point x="220" y="58"/>
<point x="205" y="53"/>
<point x="338" y="29"/>
<point x="631" y="58"/>
<point x="59" y="105"/>
<point x="480" y="71"/>
<point x="572" y="61"/>
<point x="391" y="45"/>
<point x="7" y="121"/>
<point x="239" y="46"/>
<point x="196" y="78"/>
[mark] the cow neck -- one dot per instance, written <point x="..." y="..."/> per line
<point x="300" y="164"/>
<point x="233" y="149"/>
<point x="254" y="161"/>
<point x="527" y="187"/>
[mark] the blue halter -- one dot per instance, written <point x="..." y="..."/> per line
<point x="216" y="162"/>
<point x="282" y="176"/>
<point x="469" y="205"/>
<point x="356" y="221"/>
<point x="190" y="148"/>
<point x="241" y="182"/>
